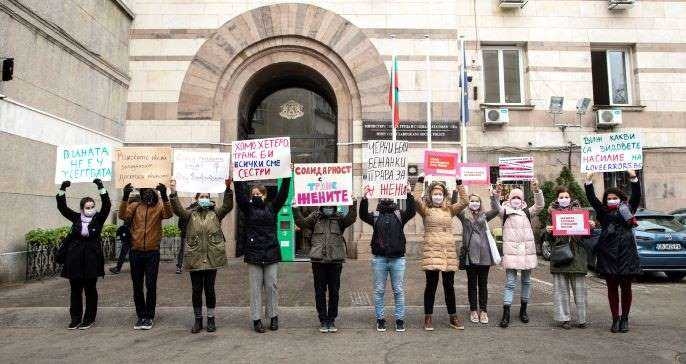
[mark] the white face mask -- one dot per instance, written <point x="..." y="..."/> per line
<point x="516" y="203"/>
<point x="474" y="205"/>
<point x="564" y="201"/>
<point x="613" y="202"/>
<point x="89" y="212"/>
<point x="437" y="199"/>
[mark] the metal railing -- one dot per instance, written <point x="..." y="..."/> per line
<point x="40" y="258"/>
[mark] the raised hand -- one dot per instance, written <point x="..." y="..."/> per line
<point x="589" y="177"/>
<point x="534" y="185"/>
<point x="632" y="173"/>
<point x="98" y="183"/>
<point x="172" y="186"/>
<point x="127" y="191"/>
<point x="65" y="185"/>
<point x="228" y="182"/>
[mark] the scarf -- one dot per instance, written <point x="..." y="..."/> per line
<point x="85" y="221"/>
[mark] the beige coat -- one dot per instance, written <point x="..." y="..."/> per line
<point x="439" y="250"/>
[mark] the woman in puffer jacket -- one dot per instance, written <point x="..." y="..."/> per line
<point x="439" y="255"/>
<point x="519" y="247"/>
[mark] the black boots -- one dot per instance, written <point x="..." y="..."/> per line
<point x="274" y="325"/>
<point x="505" y="321"/>
<point x="523" y="316"/>
<point x="624" y="323"/>
<point x="197" y="326"/>
<point x="615" y="325"/>
<point x="259" y="328"/>
<point x="211" y="326"/>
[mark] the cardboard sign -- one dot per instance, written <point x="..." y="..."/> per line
<point x="323" y="184"/>
<point x="386" y="169"/>
<point x="201" y="171"/>
<point x="258" y="159"/>
<point x="440" y="163"/>
<point x="516" y="168"/>
<point x="143" y="166"/>
<point x="571" y="223"/>
<point x="83" y="163"/>
<point x="474" y="173"/>
<point x="611" y="152"/>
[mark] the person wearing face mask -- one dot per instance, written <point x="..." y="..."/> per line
<point x="570" y="276"/>
<point x="327" y="255"/>
<point x="475" y="255"/>
<point x="519" y="247"/>
<point x="205" y="250"/>
<point x="146" y="233"/>
<point x="439" y="253"/>
<point x="262" y="251"/>
<point x="81" y="253"/>
<point x="388" y="249"/>
<point x="617" y="257"/>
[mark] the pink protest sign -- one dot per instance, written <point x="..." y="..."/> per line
<point x="439" y="163"/>
<point x="474" y="173"/>
<point x="571" y="223"/>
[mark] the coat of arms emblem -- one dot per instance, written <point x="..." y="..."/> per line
<point x="291" y="110"/>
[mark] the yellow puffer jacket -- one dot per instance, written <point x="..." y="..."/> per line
<point x="439" y="251"/>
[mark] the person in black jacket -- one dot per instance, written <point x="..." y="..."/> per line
<point x="262" y="251"/>
<point x="124" y="236"/>
<point x="617" y="257"/>
<point x="83" y="258"/>
<point x="388" y="248"/>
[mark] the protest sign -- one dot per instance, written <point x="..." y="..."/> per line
<point x="258" y="159"/>
<point x="611" y="152"/>
<point x="516" y="168"/>
<point x="83" y="163"/>
<point x="571" y="223"/>
<point x="474" y="173"/>
<point x="142" y="166"/>
<point x="440" y="163"/>
<point x="323" y="184"/>
<point x="201" y="171"/>
<point x="386" y="169"/>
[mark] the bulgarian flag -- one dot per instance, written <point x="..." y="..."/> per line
<point x="393" y="92"/>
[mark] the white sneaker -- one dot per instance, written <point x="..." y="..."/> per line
<point x="474" y="317"/>
<point x="484" y="317"/>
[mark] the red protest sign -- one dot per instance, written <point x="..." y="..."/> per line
<point x="474" y="173"/>
<point x="439" y="163"/>
<point x="571" y="223"/>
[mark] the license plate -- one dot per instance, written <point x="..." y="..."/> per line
<point x="668" y="246"/>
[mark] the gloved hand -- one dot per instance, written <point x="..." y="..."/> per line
<point x="163" y="192"/>
<point x="420" y="179"/>
<point x="127" y="191"/>
<point x="64" y="185"/>
<point x="98" y="183"/>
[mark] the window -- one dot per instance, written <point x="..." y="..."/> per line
<point x="621" y="180"/>
<point x="611" y="79"/>
<point x="503" y="75"/>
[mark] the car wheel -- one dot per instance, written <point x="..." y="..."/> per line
<point x="545" y="249"/>
<point x="675" y="276"/>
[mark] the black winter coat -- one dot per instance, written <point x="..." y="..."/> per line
<point x="388" y="238"/>
<point x="262" y="246"/>
<point x="84" y="257"/>
<point x="616" y="249"/>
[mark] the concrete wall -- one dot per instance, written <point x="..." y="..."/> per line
<point x="69" y="87"/>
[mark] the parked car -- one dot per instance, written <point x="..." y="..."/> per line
<point x="680" y="215"/>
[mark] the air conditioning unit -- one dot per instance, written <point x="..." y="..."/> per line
<point x="620" y="4"/>
<point x="609" y="117"/>
<point x="495" y="116"/>
<point x="512" y="3"/>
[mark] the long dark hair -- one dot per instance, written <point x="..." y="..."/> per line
<point x="614" y="191"/>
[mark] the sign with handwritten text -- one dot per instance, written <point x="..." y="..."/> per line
<point x="386" y="169"/>
<point x="201" y="171"/>
<point x="258" y="159"/>
<point x="83" y="163"/>
<point x="323" y="184"/>
<point x="142" y="166"/>
<point x="611" y="152"/>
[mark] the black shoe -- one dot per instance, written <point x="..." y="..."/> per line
<point x="115" y="270"/>
<point x="86" y="324"/>
<point x="274" y="324"/>
<point x="197" y="326"/>
<point x="380" y="325"/>
<point x="399" y="325"/>
<point x="505" y="320"/>
<point x="324" y="327"/>
<point x="74" y="324"/>
<point x="523" y="316"/>
<point x="147" y="324"/>
<point x="565" y="325"/>
<point x="179" y="270"/>
<point x="583" y="325"/>
<point x="258" y="327"/>
<point x="615" y="325"/>
<point x="624" y="324"/>
<point x="211" y="326"/>
<point x="139" y="324"/>
<point x="332" y="327"/>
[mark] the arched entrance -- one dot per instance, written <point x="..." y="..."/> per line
<point x="279" y="47"/>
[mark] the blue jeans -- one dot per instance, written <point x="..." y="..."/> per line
<point x="511" y="284"/>
<point x="382" y="267"/>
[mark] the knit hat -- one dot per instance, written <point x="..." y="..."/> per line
<point x="516" y="192"/>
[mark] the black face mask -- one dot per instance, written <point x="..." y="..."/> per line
<point x="257" y="201"/>
<point x="149" y="197"/>
<point x="387" y="205"/>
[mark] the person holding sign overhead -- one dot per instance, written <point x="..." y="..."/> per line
<point x="263" y="251"/>
<point x="146" y="232"/>
<point x="205" y="250"/>
<point x="81" y="253"/>
<point x="617" y="257"/>
<point x="568" y="266"/>
<point x="439" y="253"/>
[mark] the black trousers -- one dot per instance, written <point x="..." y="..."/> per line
<point x="79" y="288"/>
<point x="477" y="277"/>
<point x="179" y="255"/>
<point x="125" y="248"/>
<point x="203" y="280"/>
<point x="327" y="277"/>
<point x="430" y="291"/>
<point x="144" y="267"/>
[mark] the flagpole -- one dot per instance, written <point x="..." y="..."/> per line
<point x="429" y="94"/>
<point x="463" y="108"/>
<point x="393" y="85"/>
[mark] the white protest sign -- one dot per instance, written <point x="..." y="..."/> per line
<point x="611" y="152"/>
<point x="386" y="169"/>
<point x="516" y="168"/>
<point x="258" y="159"/>
<point x="201" y="171"/>
<point x="323" y="184"/>
<point x="83" y="163"/>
